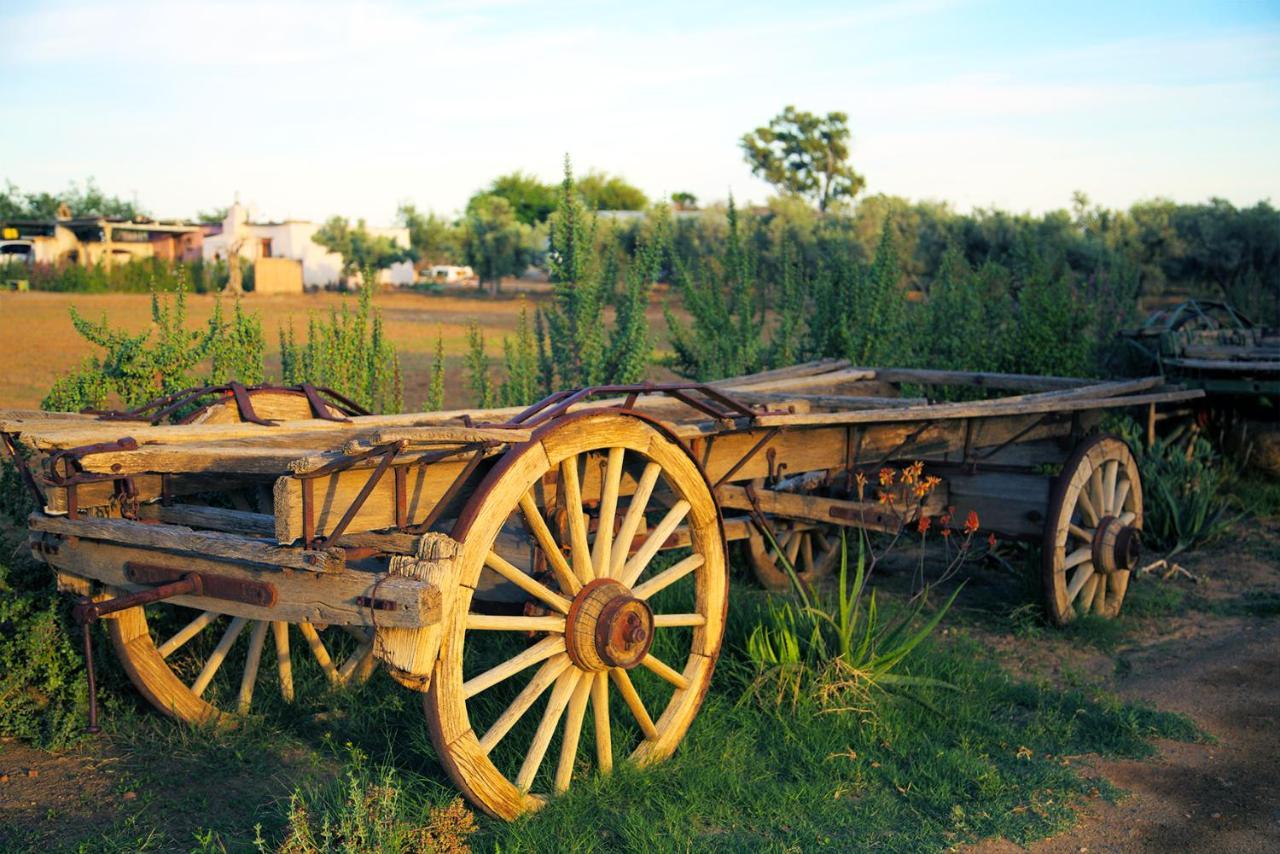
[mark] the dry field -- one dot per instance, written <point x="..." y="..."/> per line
<point x="39" y="343"/>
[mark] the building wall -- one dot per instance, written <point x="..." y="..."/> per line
<point x="277" y="276"/>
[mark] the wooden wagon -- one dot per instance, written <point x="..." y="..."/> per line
<point x="574" y="550"/>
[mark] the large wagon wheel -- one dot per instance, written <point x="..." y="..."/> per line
<point x="811" y="548"/>
<point x="199" y="665"/>
<point x="212" y="663"/>
<point x="636" y="637"/>
<point x="1093" y="531"/>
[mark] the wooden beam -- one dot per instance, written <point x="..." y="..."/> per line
<point x="187" y="540"/>
<point x="858" y="514"/>
<point x="328" y="598"/>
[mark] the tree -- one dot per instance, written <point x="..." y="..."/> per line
<point x="434" y="239"/>
<point x="532" y="200"/>
<point x="604" y="192"/>
<point x="494" y="242"/>
<point x="804" y="154"/>
<point x="212" y="215"/>
<point x="81" y="201"/>
<point x="359" y="248"/>
<point x="684" y="201"/>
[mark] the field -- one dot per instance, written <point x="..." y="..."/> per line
<point x="40" y="343"/>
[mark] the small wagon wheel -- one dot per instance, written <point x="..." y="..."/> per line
<point x="211" y="663"/>
<point x="811" y="548"/>
<point x="607" y="624"/>
<point x="1093" y="531"/>
<point x="187" y="662"/>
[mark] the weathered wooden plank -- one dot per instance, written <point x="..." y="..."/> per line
<point x="836" y="402"/>
<point x="194" y="459"/>
<point x="325" y="597"/>
<point x="1008" y="504"/>
<point x="982" y="409"/>
<point x="860" y="514"/>
<point x="982" y="379"/>
<point x="181" y="539"/>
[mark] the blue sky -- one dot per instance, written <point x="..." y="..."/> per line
<point x="309" y="108"/>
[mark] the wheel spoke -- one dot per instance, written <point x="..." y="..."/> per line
<point x="218" y="655"/>
<point x="1087" y="509"/>
<point x="560" y="696"/>
<point x="572" y="504"/>
<point x="359" y="659"/>
<point x="1122" y="495"/>
<point x="622" y="679"/>
<point x="1077" y="557"/>
<point x="640" y="560"/>
<point x="543" y="649"/>
<point x="602" y="549"/>
<point x="1120" y="584"/>
<point x="318" y="650"/>
<point x="806" y="554"/>
<point x="572" y="731"/>
<point x="668" y="576"/>
<point x="186" y="633"/>
<point x="1109" y="470"/>
<point x="635" y="516"/>
<point x="600" y="711"/>
<point x="525" y="582"/>
<point x="251" y="661"/>
<point x="548" y="673"/>
<point x="793" y="549"/>
<point x="670" y="621"/>
<point x="284" y="664"/>
<point x="1085" y="534"/>
<point x="1126" y="518"/>
<point x="1097" y="495"/>
<point x="1082" y="576"/>
<point x="547" y="541"/>
<point x="1087" y="595"/>
<point x="510" y="623"/>
<point x="665" y="670"/>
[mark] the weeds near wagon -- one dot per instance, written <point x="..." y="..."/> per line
<point x="843" y="645"/>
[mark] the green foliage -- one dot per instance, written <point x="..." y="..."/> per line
<point x="81" y="200"/>
<point x="140" y="276"/>
<point x="435" y="390"/>
<point x="520" y="356"/>
<point x="369" y="811"/>
<point x="602" y="192"/>
<point x="360" y="249"/>
<point x="494" y="242"/>
<point x="842" y="647"/>
<point x="804" y="154"/>
<point x="872" y="309"/>
<point x="349" y="353"/>
<point x="478" y="377"/>
<point x="434" y="239"/>
<point x="238" y="347"/>
<point x="630" y="341"/>
<point x="531" y="200"/>
<point x="1185" y="485"/>
<point x="684" y="201"/>
<point x="725" y="335"/>
<point x="136" y="368"/>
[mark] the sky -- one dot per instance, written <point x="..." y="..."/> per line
<point x="310" y="109"/>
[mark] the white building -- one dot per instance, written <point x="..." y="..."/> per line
<point x="295" y="239"/>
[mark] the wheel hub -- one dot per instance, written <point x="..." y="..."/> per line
<point x="608" y="627"/>
<point x="1116" y="546"/>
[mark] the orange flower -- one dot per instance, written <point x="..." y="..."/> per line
<point x="946" y="532"/>
<point x="971" y="522"/>
<point x="991" y="541"/>
<point x="861" y="480"/>
<point x="911" y="473"/>
<point x="932" y="482"/>
<point x="923" y="525"/>
<point x="886" y="476"/>
<point x="945" y="520"/>
<point x="886" y="497"/>
<point x="922" y="489"/>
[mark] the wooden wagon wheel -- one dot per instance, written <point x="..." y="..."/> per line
<point x="635" y="637"/>
<point x="212" y="664"/>
<point x="1093" y="531"/>
<point x="812" y="549"/>
<point x="187" y="664"/>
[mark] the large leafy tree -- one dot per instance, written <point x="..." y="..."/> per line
<point x="604" y="192"/>
<point x="360" y="249"/>
<point x="530" y="199"/>
<point x="804" y="154"/>
<point x="494" y="241"/>
<point x="434" y="239"/>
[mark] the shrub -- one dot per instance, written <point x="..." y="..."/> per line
<point x="349" y="353"/>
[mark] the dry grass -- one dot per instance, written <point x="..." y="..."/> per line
<point x="40" y="345"/>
